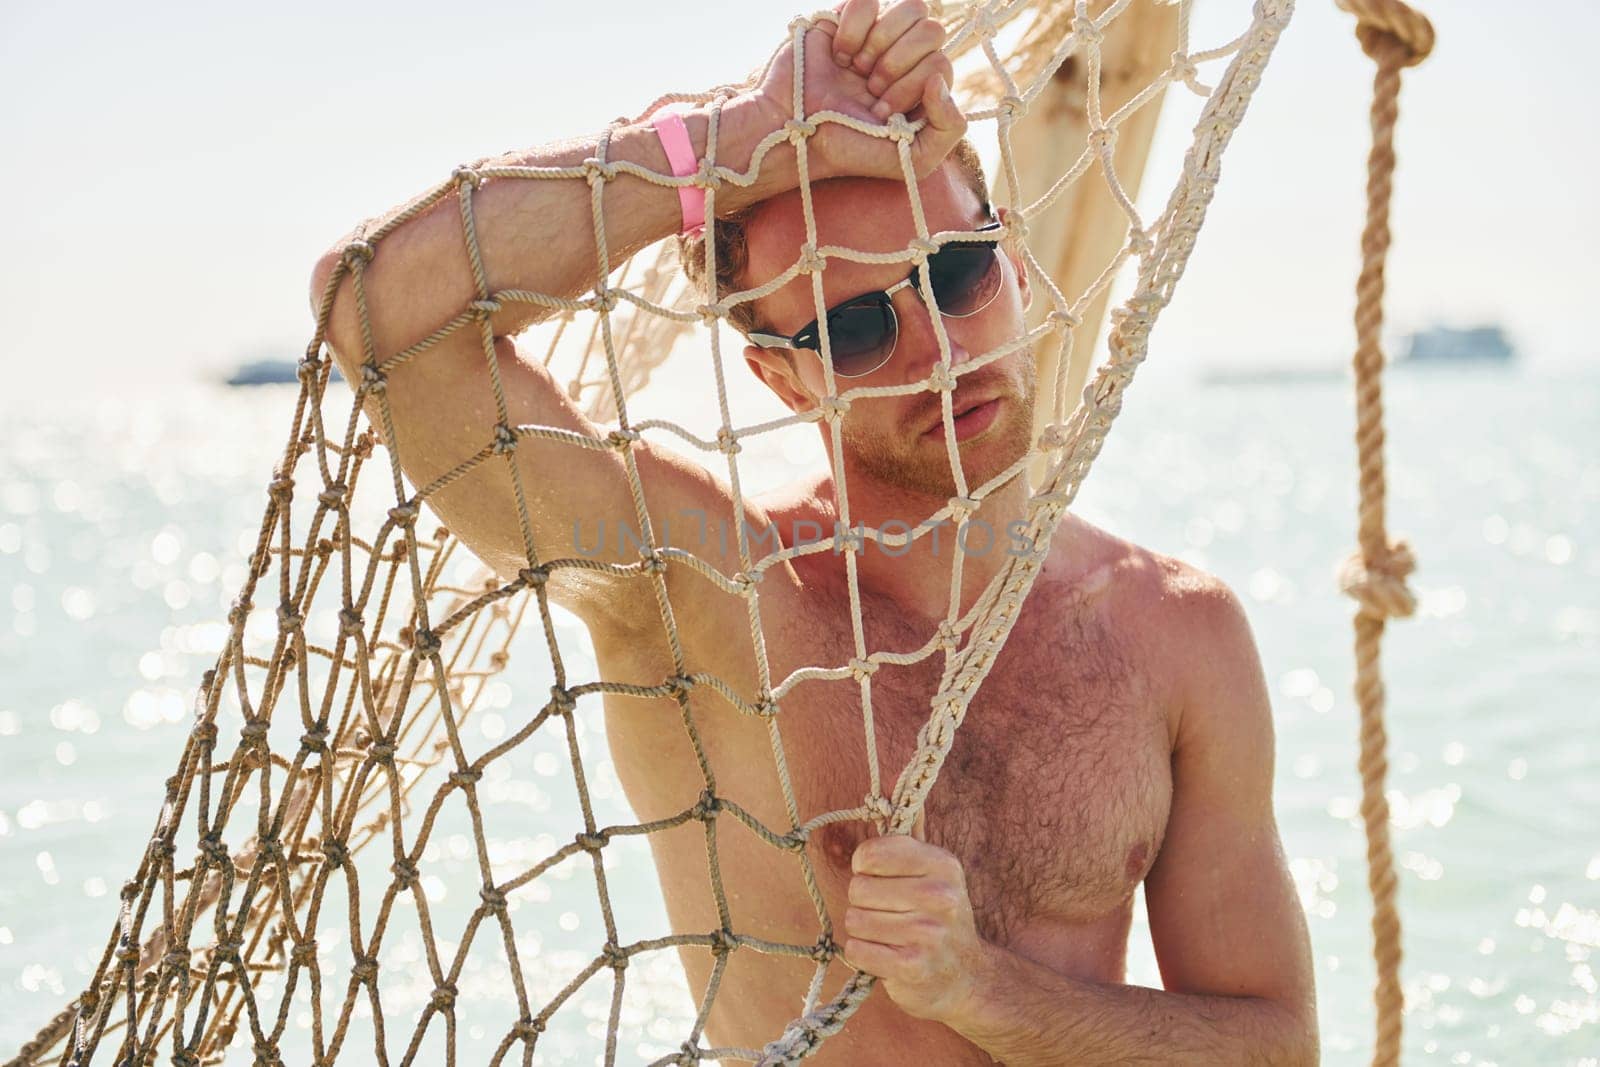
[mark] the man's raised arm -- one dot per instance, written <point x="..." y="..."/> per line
<point x="538" y="236"/>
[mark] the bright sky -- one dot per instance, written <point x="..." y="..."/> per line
<point x="174" y="169"/>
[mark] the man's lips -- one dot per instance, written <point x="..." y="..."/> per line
<point x="959" y="406"/>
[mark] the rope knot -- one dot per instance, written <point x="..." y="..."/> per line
<point x="281" y="488"/>
<point x="253" y="732"/>
<point x="1087" y="31"/>
<point x="404" y="515"/>
<point x="213" y="849"/>
<point x="621" y="439"/>
<point x="485" y="308"/>
<point x="1183" y="69"/>
<point x="606" y="300"/>
<point x="799" y="129"/>
<point x="900" y="129"/>
<point x="1062" y="319"/>
<point x="495" y="901"/>
<point x="947" y="637"/>
<point x="710" y="313"/>
<point x="1012" y="107"/>
<point x="426" y="642"/>
<point x="765" y="707"/>
<point x="834" y="407"/>
<point x="616" y="956"/>
<point x="727" y="443"/>
<point x="462" y="779"/>
<point x="332" y="496"/>
<point x="688" y="1055"/>
<point x="679" y="683"/>
<point x="924" y="247"/>
<point x="528" y="1029"/>
<point x="308" y="368"/>
<point x="592" y="842"/>
<point x="373" y="380"/>
<point x="1139" y="242"/>
<point x="315" y="740"/>
<point x="289" y="620"/>
<point x="382" y="753"/>
<point x="443" y="997"/>
<point x="723" y="941"/>
<point x="941" y="379"/>
<point x="1102" y="139"/>
<point x="878" y="806"/>
<point x="351" y="623"/>
<point x="365" y="969"/>
<point x="862" y="668"/>
<point x="563" y="699"/>
<point x="824" y="950"/>
<point x="962" y="506"/>
<point x="465" y="175"/>
<point x="335" y="853"/>
<point x="651" y="561"/>
<point x="706" y="176"/>
<point x="304" y="953"/>
<point x="744" y="583"/>
<point x="811" y="260"/>
<point x="1384" y="24"/>
<point x="706" y="808"/>
<point x="534" y="577"/>
<point x="357" y="252"/>
<point x="405" y="873"/>
<point x="505" y="440"/>
<point x="596" y="171"/>
<point x="1379" y="584"/>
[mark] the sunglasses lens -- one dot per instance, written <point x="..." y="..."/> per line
<point x="965" y="277"/>
<point x="862" y="336"/>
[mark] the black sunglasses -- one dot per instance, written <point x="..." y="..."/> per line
<point x="965" y="277"/>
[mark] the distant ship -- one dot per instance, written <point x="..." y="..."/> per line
<point x="272" y="372"/>
<point x="1474" y="344"/>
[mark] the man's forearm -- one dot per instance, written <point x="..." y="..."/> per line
<point x="534" y="234"/>
<point x="1024" y="1014"/>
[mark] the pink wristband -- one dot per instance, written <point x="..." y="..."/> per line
<point x="680" y="153"/>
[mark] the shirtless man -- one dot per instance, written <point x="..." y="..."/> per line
<point x="1124" y="735"/>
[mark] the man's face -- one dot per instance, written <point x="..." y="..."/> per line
<point x="898" y="441"/>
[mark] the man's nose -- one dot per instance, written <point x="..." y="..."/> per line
<point x="921" y="341"/>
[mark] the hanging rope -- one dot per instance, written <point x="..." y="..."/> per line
<point x="1395" y="37"/>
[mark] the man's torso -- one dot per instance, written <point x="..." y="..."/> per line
<point x="1054" y="794"/>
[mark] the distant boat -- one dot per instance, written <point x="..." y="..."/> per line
<point x="272" y="372"/>
<point x="1474" y="344"/>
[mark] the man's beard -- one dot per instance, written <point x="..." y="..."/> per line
<point x="888" y="456"/>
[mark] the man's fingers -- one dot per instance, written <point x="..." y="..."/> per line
<point x="903" y="56"/>
<point x="944" y="115"/>
<point x="899" y="18"/>
<point x="911" y="89"/>
<point x="855" y="20"/>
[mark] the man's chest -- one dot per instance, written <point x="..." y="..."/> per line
<point x="1056" y="788"/>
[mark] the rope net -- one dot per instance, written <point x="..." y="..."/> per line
<point x="329" y="755"/>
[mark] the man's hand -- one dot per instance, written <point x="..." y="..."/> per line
<point x="869" y="66"/>
<point x="910" y="923"/>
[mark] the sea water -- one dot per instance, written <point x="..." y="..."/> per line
<point x="125" y="520"/>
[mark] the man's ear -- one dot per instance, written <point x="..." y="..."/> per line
<point x="775" y="367"/>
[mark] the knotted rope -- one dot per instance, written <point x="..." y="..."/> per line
<point x="1395" y="36"/>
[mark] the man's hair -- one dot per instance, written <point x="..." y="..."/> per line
<point x="733" y="250"/>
